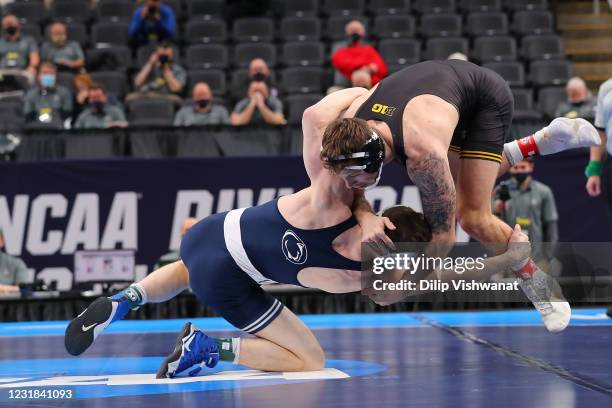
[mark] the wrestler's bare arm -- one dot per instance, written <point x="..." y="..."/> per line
<point x="314" y="121"/>
<point x="428" y="168"/>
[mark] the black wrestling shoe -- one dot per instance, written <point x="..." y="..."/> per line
<point x="83" y="329"/>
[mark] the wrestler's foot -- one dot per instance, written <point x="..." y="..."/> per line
<point x="564" y="134"/>
<point x="545" y="294"/>
<point x="192" y="347"/>
<point x="561" y="134"/>
<point x="83" y="329"/>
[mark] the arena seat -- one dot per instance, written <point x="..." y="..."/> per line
<point x="441" y="48"/>
<point x="550" y="72"/>
<point x="486" y="23"/>
<point x="381" y="7"/>
<point x="343" y="7"/>
<point x="297" y="104"/>
<point x="303" y="80"/>
<point x="402" y="52"/>
<point x="300" y="29"/>
<point x="523" y="104"/>
<point x="303" y="54"/>
<point x="394" y="26"/>
<point x="114" y="10"/>
<point x="151" y="112"/>
<point x="549" y="99"/>
<point x="533" y="22"/>
<point x="480" y="5"/>
<point x="253" y="29"/>
<point x="300" y="8"/>
<point x="206" y="56"/>
<point x="435" y="6"/>
<point x="27" y="11"/>
<point x="245" y="53"/>
<point x="204" y="9"/>
<point x="215" y="78"/>
<point x="543" y="47"/>
<point x="498" y="48"/>
<point x="205" y="31"/>
<point x="109" y="33"/>
<point x="441" y="25"/>
<point x="513" y="72"/>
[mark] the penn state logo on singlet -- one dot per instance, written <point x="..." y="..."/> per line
<point x="294" y="248"/>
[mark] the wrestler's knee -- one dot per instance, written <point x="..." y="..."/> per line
<point x="474" y="222"/>
<point x="314" y="359"/>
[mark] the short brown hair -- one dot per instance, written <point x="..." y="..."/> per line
<point x="343" y="137"/>
<point x="411" y="225"/>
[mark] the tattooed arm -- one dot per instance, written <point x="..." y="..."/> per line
<point x="430" y="171"/>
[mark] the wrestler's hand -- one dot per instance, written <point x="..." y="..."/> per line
<point x="519" y="248"/>
<point x="373" y="233"/>
<point x="593" y="186"/>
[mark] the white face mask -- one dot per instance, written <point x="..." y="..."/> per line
<point x="371" y="186"/>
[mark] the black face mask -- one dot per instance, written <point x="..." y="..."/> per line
<point x="11" y="30"/>
<point x="202" y="103"/>
<point x="354" y="38"/>
<point x="260" y="77"/>
<point x="520" y="177"/>
<point x="97" y="107"/>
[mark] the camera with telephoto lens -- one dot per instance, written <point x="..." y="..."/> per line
<point x="502" y="192"/>
<point x="152" y="11"/>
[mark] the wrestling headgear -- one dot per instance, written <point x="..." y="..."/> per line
<point x="370" y="158"/>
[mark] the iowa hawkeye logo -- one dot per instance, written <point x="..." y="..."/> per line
<point x="383" y="109"/>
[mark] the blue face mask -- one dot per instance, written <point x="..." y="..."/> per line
<point x="47" y="80"/>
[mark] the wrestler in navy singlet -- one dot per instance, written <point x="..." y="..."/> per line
<point x="229" y="255"/>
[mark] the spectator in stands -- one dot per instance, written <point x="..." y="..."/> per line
<point x="202" y="111"/>
<point x="160" y="77"/>
<point x="153" y="22"/>
<point x="580" y="103"/>
<point x="66" y="55"/>
<point x="13" y="271"/>
<point x="259" y="71"/>
<point x="531" y="204"/>
<point x="357" y="56"/>
<point x="258" y="107"/>
<point x="174" y="255"/>
<point x="100" y="114"/>
<point x="361" y="78"/>
<point x="81" y="83"/>
<point x="48" y="102"/>
<point x="19" y="54"/>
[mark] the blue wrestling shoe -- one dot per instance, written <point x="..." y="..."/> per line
<point x="192" y="347"/>
<point x="83" y="329"/>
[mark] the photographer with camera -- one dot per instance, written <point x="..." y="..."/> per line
<point x="160" y="77"/>
<point x="152" y="22"/>
<point x="531" y="204"/>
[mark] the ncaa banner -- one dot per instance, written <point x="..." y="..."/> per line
<point x="49" y="210"/>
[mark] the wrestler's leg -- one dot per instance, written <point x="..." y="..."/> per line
<point x="476" y="181"/>
<point x="560" y="135"/>
<point x="159" y="286"/>
<point x="165" y="283"/>
<point x="286" y="344"/>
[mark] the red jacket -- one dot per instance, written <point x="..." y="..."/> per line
<point x="351" y="58"/>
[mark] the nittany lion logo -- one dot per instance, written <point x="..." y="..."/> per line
<point x="294" y="248"/>
<point x="383" y="109"/>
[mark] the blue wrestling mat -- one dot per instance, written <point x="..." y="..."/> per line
<point x="472" y="359"/>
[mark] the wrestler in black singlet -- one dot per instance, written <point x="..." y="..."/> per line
<point x="482" y="98"/>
